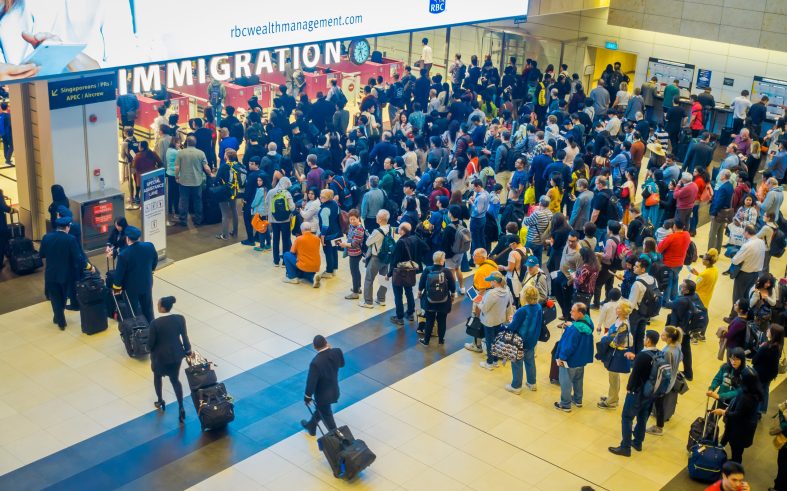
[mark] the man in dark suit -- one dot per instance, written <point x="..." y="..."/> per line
<point x="322" y="384"/>
<point x="64" y="261"/>
<point x="134" y="273"/>
<point x="75" y="230"/>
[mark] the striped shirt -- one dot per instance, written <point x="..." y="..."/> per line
<point x="355" y="237"/>
<point x="537" y="224"/>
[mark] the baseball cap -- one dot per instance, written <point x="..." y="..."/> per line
<point x="531" y="261"/>
<point x="494" y="276"/>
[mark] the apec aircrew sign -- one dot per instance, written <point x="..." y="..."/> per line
<point x="81" y="91"/>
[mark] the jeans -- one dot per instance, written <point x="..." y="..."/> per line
<point x="489" y="337"/>
<point x="562" y="290"/>
<point x="246" y="210"/>
<point x="355" y="272"/>
<point x="683" y="216"/>
<point x="672" y="286"/>
<point x="695" y="218"/>
<point x="173" y="195"/>
<point x="293" y="271"/>
<point x="570" y="378"/>
<point x="263" y="239"/>
<point x="538" y="250"/>
<point x="331" y="257"/>
<point x="281" y="236"/>
<point x="8" y="148"/>
<point x="606" y="279"/>
<point x="716" y="234"/>
<point x="398" y="300"/>
<point x="373" y="269"/>
<point x="478" y="237"/>
<point x="635" y="407"/>
<point x="431" y="318"/>
<point x="529" y="365"/>
<point x="190" y="194"/>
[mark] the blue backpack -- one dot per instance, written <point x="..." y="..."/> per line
<point x="658" y="383"/>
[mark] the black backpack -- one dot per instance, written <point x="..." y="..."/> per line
<point x="778" y="243"/>
<point x="617" y="261"/>
<point x="650" y="305"/>
<point x="661" y="273"/>
<point x="437" y="287"/>
<point x="614" y="208"/>
<point x="341" y="99"/>
<point x="691" y="254"/>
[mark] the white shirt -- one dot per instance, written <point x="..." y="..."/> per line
<point x="638" y="289"/>
<point x="607" y="316"/>
<point x="739" y="106"/>
<point x="751" y="255"/>
<point x="426" y="54"/>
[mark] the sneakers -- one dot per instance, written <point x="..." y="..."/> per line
<point x="561" y="408"/>
<point x="381" y="303"/>
<point x="397" y="321"/>
<point x="247" y="242"/>
<point x="327" y="275"/>
<point x="411" y="317"/>
<point x="366" y="305"/>
<point x="352" y="296"/>
<point x="222" y="237"/>
<point x="473" y="347"/>
<point x="695" y="340"/>
<point x="423" y="341"/>
<point x="294" y="281"/>
<point x="486" y="365"/>
<point x="577" y="404"/>
<point x="462" y="291"/>
<point x="512" y="390"/>
<point x="316" y="281"/>
<point x="604" y="405"/>
<point x="259" y="249"/>
<point x="655" y="430"/>
<point x="531" y="387"/>
<point x="702" y="338"/>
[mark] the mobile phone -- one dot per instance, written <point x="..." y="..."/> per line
<point x="336" y="242"/>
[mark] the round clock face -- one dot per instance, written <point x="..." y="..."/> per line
<point x="360" y="51"/>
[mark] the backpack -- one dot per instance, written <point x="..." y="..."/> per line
<point x="398" y="92"/>
<point x="462" y="72"/>
<point x="280" y="206"/>
<point x="341" y="99"/>
<point x="614" y="208"/>
<point x="699" y="318"/>
<point x="650" y="305"/>
<point x="237" y="181"/>
<point x="133" y="146"/>
<point x="423" y="204"/>
<point x="462" y="239"/>
<point x="754" y="338"/>
<point x="344" y="221"/>
<point x="385" y="252"/>
<point x="345" y="193"/>
<point x="437" y="287"/>
<point x="617" y="259"/>
<point x="214" y="94"/>
<point x="660" y="378"/>
<point x="661" y="273"/>
<point x="691" y="254"/>
<point x="489" y="185"/>
<point x="778" y="243"/>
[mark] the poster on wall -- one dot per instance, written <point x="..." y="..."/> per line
<point x="86" y="35"/>
<point x="776" y="90"/>
<point x="703" y="78"/>
<point x="666" y="71"/>
<point x="153" y="189"/>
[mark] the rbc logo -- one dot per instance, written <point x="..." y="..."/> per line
<point x="436" y="6"/>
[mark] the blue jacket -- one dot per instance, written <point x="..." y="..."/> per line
<point x="527" y="323"/>
<point x="329" y="220"/>
<point x="722" y="199"/>
<point x="576" y="345"/>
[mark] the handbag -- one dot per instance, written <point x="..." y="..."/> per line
<point x="545" y="334"/>
<point x="707" y="194"/>
<point x="681" y="384"/>
<point x="721" y="333"/>
<point x="508" y="346"/>
<point x="550" y="310"/>
<point x="652" y="199"/>
<point x="530" y="195"/>
<point x="582" y="297"/>
<point x="725" y="215"/>
<point x="734" y="270"/>
<point x="474" y="328"/>
<point x="405" y="271"/>
<point x="603" y="349"/>
<point x="259" y="224"/>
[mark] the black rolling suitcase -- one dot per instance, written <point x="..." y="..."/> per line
<point x="110" y="300"/>
<point x="16" y="230"/>
<point x="213" y="404"/>
<point x="346" y="455"/>
<point x="22" y="256"/>
<point x="699" y="431"/>
<point x="91" y="288"/>
<point x="211" y="213"/>
<point x="93" y="317"/>
<point x="134" y="330"/>
<point x="725" y="138"/>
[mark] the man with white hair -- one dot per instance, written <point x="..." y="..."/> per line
<point x="272" y="160"/>
<point x="303" y="258"/>
<point x="685" y="196"/>
<point x="406" y="258"/>
<point x="720" y="210"/>
<point x="374" y="265"/>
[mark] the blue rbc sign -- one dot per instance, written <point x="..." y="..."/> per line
<point x="436" y="6"/>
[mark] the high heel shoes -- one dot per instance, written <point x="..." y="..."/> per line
<point x="182" y="415"/>
<point x="160" y="405"/>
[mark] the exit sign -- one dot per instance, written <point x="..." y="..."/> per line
<point x="611" y="45"/>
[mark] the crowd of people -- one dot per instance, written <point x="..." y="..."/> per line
<point x="553" y="199"/>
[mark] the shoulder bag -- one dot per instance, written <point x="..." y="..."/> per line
<point x="405" y="271"/>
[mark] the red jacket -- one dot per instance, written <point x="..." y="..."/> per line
<point x="674" y="248"/>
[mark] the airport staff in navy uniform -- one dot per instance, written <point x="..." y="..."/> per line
<point x="134" y="273"/>
<point x="322" y="384"/>
<point x="74" y="230"/>
<point x="64" y="263"/>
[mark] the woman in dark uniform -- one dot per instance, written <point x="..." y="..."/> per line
<point x="117" y="237"/>
<point x="169" y="344"/>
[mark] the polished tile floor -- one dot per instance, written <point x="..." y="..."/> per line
<point x="435" y="419"/>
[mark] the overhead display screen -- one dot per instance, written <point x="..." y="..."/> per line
<point x="47" y="38"/>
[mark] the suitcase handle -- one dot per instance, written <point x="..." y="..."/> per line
<point x="128" y="302"/>
<point x="319" y="427"/>
<point x="708" y="408"/>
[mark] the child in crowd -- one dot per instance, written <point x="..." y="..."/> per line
<point x="258" y="208"/>
<point x="627" y="277"/>
<point x="608" y="315"/>
<point x="664" y="230"/>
